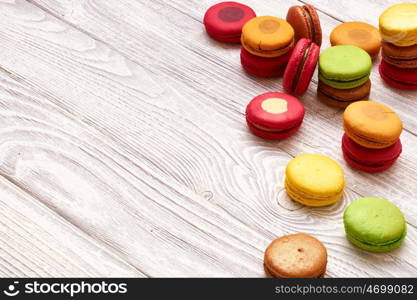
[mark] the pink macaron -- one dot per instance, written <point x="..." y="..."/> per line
<point x="370" y="160"/>
<point x="301" y="66"/>
<point x="224" y="21"/>
<point x="398" y="77"/>
<point x="274" y="115"/>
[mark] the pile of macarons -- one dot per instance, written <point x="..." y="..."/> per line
<point x="398" y="27"/>
<point x="273" y="47"/>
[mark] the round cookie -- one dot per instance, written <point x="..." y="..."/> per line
<point x="344" y="67"/>
<point x="314" y="180"/>
<point x="398" y="77"/>
<point x="401" y="57"/>
<point x="306" y="23"/>
<point x="267" y="36"/>
<point x="263" y="66"/>
<point x="274" y="115"/>
<point x="224" y="21"/>
<point x="359" y="34"/>
<point x="296" y="256"/>
<point x="398" y="24"/>
<point x="374" y="224"/>
<point x="371" y="124"/>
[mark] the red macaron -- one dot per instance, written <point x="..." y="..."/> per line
<point x="274" y="115"/>
<point x="398" y="77"/>
<point x="301" y="66"/>
<point x="224" y="21"/>
<point x="370" y="160"/>
<point x="263" y="66"/>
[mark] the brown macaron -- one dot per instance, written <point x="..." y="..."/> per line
<point x="342" y="97"/>
<point x="401" y="57"/>
<point x="296" y="256"/>
<point x="306" y="23"/>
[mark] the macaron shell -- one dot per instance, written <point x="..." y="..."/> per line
<point x="342" y="97"/>
<point x="294" y="62"/>
<point x="267" y="36"/>
<point x="394" y="83"/>
<point x="344" y="67"/>
<point x="263" y="67"/>
<point x="296" y="256"/>
<point x="290" y="115"/>
<point x="224" y="21"/>
<point x="398" y="24"/>
<point x="306" y="23"/>
<point x="371" y="124"/>
<point x="315" y="176"/>
<point x="359" y="34"/>
<point x="375" y="222"/>
<point x="377" y="248"/>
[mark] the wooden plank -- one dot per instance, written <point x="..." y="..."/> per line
<point x="35" y="242"/>
<point x="179" y="132"/>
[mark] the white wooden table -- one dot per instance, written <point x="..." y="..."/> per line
<point x="124" y="150"/>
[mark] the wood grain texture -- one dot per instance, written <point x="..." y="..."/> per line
<point x="156" y="157"/>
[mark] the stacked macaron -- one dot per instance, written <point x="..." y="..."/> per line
<point x="344" y="72"/>
<point x="398" y="27"/>
<point x="267" y="43"/>
<point x="372" y="136"/>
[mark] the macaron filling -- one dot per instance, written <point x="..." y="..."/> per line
<point x="309" y="199"/>
<point x="278" y="51"/>
<point x="300" y="67"/>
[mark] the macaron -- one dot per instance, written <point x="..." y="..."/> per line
<point x="301" y="66"/>
<point x="263" y="66"/>
<point x="401" y="57"/>
<point x="370" y="160"/>
<point x="344" y="67"/>
<point x="398" y="24"/>
<point x="314" y="180"/>
<point x="342" y="97"/>
<point x="372" y="125"/>
<point x="274" y="116"/>
<point x="306" y="23"/>
<point x="397" y="77"/>
<point x="267" y="36"/>
<point x="296" y="256"/>
<point x="359" y="34"/>
<point x="224" y="21"/>
<point x="374" y="224"/>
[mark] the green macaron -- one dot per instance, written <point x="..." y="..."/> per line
<point x="344" y="67"/>
<point x="374" y="224"/>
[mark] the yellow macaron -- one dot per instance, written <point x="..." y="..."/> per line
<point x="314" y="180"/>
<point x="398" y="24"/>
<point x="267" y="36"/>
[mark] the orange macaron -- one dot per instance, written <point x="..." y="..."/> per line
<point x="267" y="36"/>
<point x="358" y="34"/>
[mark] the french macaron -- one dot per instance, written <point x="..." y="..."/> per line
<point x="296" y="256"/>
<point x="370" y="160"/>
<point x="398" y="77"/>
<point x="359" y="34"/>
<point x="401" y="57"/>
<point x="263" y="66"/>
<point x="371" y="124"/>
<point x="398" y="24"/>
<point x="301" y="66"/>
<point x="344" y="67"/>
<point x="374" y="224"/>
<point x="224" y="21"/>
<point x="306" y="23"/>
<point x="267" y="36"/>
<point x="342" y="97"/>
<point x="314" y="180"/>
<point x="274" y="116"/>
